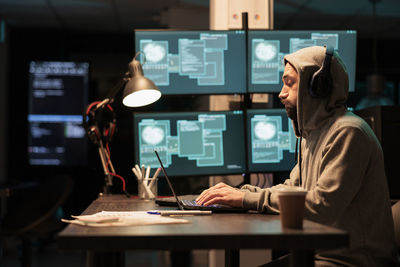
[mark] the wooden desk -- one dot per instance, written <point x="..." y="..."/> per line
<point x="230" y="232"/>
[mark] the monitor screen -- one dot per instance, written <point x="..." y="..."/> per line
<point x="58" y="93"/>
<point x="191" y="143"/>
<point x="271" y="139"/>
<point x="267" y="49"/>
<point x="194" y="62"/>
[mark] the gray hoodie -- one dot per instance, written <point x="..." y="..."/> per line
<point x="342" y="169"/>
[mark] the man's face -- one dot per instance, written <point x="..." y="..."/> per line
<point x="288" y="94"/>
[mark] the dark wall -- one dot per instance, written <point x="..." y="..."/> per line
<point x="3" y="102"/>
<point x="384" y="62"/>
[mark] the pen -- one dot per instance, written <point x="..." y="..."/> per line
<point x="138" y="171"/>
<point x="156" y="173"/>
<point x="154" y="177"/>
<point x="180" y="212"/>
<point x="146" y="177"/>
<point x="147" y="172"/>
<point x="153" y="212"/>
<point x="142" y="171"/>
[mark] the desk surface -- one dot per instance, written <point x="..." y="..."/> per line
<point x="218" y="231"/>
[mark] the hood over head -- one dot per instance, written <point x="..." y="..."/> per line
<point x="314" y="112"/>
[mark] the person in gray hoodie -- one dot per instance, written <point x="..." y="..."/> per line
<point x="340" y="164"/>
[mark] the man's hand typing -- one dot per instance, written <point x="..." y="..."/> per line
<point x="221" y="194"/>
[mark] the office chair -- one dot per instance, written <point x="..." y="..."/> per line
<point x="32" y="215"/>
<point x="396" y="221"/>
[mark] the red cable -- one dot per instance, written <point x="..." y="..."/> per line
<point x="109" y="154"/>
<point x="114" y="174"/>
<point x="90" y="107"/>
<point x="120" y="177"/>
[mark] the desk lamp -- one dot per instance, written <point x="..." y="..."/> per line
<point x="99" y="118"/>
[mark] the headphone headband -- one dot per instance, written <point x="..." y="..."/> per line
<point x="321" y="81"/>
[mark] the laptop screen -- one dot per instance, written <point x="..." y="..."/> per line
<point x="191" y="143"/>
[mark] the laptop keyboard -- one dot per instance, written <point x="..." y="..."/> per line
<point x="193" y="203"/>
<point x="188" y="202"/>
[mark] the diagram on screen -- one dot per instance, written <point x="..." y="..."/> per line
<point x="199" y="140"/>
<point x="267" y="57"/>
<point x="265" y="62"/>
<point x="268" y="140"/>
<point x="199" y="59"/>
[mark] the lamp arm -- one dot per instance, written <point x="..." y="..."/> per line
<point x="114" y="91"/>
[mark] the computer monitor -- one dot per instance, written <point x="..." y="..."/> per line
<point x="194" y="62"/>
<point x="191" y="143"/>
<point x="58" y="93"/>
<point x="267" y="49"/>
<point x="271" y="141"/>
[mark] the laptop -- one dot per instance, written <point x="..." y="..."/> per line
<point x="189" y="203"/>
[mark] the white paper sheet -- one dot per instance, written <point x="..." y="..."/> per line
<point x="123" y="218"/>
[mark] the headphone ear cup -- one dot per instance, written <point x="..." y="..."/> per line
<point x="321" y="84"/>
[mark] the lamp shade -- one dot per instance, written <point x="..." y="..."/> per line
<point x="139" y="91"/>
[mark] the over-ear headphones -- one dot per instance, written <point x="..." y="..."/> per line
<point x="321" y="81"/>
<point x="99" y="123"/>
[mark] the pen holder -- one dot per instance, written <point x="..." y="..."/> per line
<point x="147" y="188"/>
